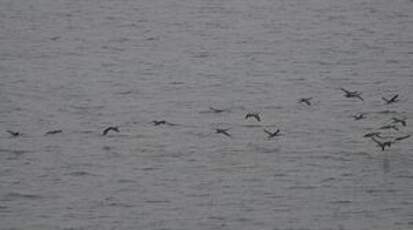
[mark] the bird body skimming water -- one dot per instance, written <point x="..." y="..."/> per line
<point x="13" y="133"/>
<point x="350" y="94"/>
<point x="272" y="134"/>
<point x="306" y="100"/>
<point x="223" y="131"/>
<point x="394" y="99"/>
<point x="254" y="115"/>
<point x="113" y="128"/>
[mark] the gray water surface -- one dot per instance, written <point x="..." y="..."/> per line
<point x="82" y="66"/>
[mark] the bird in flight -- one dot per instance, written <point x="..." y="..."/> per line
<point x="51" y="132"/>
<point x="272" y="134"/>
<point x="350" y="94"/>
<point x="306" y="100"/>
<point x="399" y="120"/>
<point x="161" y="122"/>
<point x="382" y="145"/>
<point x="389" y="127"/>
<point x="373" y="134"/>
<point x="113" y="128"/>
<point x="223" y="131"/>
<point x="13" y="133"/>
<point x="254" y="115"/>
<point x="359" y="116"/>
<point x="215" y="110"/>
<point x="401" y="138"/>
<point x="393" y="99"/>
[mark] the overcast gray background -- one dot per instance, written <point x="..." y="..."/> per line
<point x="81" y="66"/>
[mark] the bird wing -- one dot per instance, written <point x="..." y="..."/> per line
<point x="394" y="97"/>
<point x="359" y="97"/>
<point x="402" y="138"/>
<point x="344" y="90"/>
<point x="268" y="132"/>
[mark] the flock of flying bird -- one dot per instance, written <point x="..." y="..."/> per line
<point x="376" y="137"/>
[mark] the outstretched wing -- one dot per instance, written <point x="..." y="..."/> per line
<point x="394" y="98"/>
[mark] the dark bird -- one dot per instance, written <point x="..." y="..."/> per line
<point x="394" y="99"/>
<point x="13" y="133"/>
<point x="306" y="100"/>
<point x="359" y="116"/>
<point x="161" y="122"/>
<point x="254" y="115"/>
<point x="373" y="134"/>
<point x="272" y="134"/>
<point x="390" y="127"/>
<point x="215" y="110"/>
<point x="113" y="128"/>
<point x="399" y="120"/>
<point x="382" y="145"/>
<point x="223" y="131"/>
<point x="51" y="132"/>
<point x="350" y="94"/>
<point x="401" y="138"/>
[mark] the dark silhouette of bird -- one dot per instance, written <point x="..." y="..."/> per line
<point x="359" y="116"/>
<point x="382" y="145"/>
<point x="390" y="127"/>
<point x="254" y="115"/>
<point x="223" y="131"/>
<point x="113" y="128"/>
<point x="215" y="110"/>
<point x="350" y="94"/>
<point x="399" y="120"/>
<point x="13" y="133"/>
<point x="306" y="100"/>
<point x="373" y="134"/>
<point x="52" y="132"/>
<point x="401" y="138"/>
<point x="161" y="122"/>
<point x="393" y="99"/>
<point x="272" y="134"/>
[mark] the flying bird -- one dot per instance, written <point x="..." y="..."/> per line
<point x="254" y="115"/>
<point x="52" y="132"/>
<point x="223" y="131"/>
<point x="215" y="110"/>
<point x="13" y="133"/>
<point x="401" y="138"/>
<point x="382" y="145"/>
<point x="350" y="94"/>
<point x="161" y="122"/>
<point x="272" y="134"/>
<point x="399" y="120"/>
<point x="373" y="134"/>
<point x="394" y="99"/>
<point x="113" y="128"/>
<point x="306" y="100"/>
<point x="390" y="127"/>
<point x="359" y="116"/>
